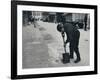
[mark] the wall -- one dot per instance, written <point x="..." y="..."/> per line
<point x="5" y="40"/>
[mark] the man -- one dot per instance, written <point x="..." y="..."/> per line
<point x="85" y="22"/>
<point x="73" y="36"/>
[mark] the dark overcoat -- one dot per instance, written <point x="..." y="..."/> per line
<point x="69" y="29"/>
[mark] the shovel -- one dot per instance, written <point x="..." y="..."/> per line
<point x="66" y="57"/>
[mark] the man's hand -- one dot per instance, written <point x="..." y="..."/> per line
<point x="63" y="35"/>
<point x="64" y="44"/>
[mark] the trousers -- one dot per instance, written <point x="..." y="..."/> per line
<point x="74" y="43"/>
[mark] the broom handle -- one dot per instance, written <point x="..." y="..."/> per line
<point x="63" y="35"/>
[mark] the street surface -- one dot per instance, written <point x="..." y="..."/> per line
<point x="43" y="46"/>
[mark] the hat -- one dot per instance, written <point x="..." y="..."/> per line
<point x="59" y="27"/>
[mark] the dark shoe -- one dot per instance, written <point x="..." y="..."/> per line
<point x="77" y="60"/>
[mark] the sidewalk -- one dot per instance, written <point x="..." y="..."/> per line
<point x="35" y="51"/>
<point x="43" y="47"/>
<point x="55" y="48"/>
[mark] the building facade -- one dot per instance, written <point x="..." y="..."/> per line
<point x="37" y="15"/>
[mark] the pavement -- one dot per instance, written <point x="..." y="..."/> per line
<point x="43" y="47"/>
